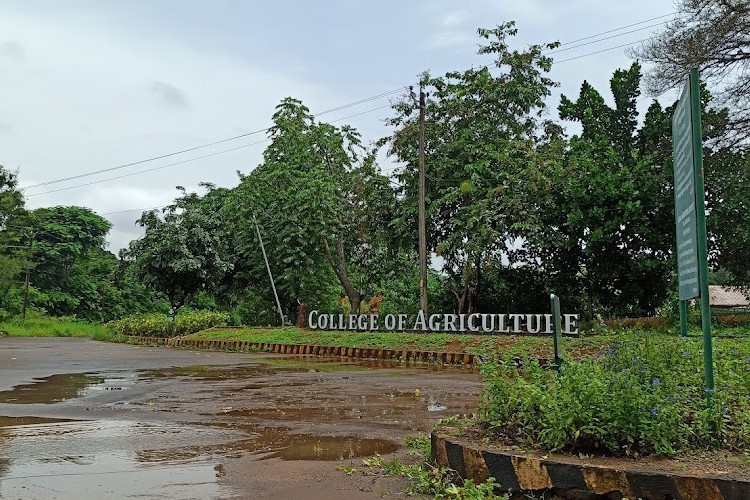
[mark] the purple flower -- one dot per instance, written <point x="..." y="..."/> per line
<point x="653" y="412"/>
<point x="655" y="382"/>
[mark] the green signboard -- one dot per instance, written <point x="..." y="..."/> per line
<point x="690" y="216"/>
<point x="684" y="197"/>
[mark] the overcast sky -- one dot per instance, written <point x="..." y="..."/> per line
<point x="87" y="85"/>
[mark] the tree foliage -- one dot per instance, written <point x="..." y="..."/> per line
<point x="484" y="166"/>
<point x="713" y="36"/>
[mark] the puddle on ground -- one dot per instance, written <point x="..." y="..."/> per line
<point x="65" y="460"/>
<point x="13" y="421"/>
<point x="108" y="476"/>
<point x="278" y="443"/>
<point x="207" y="372"/>
<point x="268" y="366"/>
<point x="51" y="389"/>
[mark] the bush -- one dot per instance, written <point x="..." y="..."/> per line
<point x="158" y="325"/>
<point x="648" y="323"/>
<point x="643" y="396"/>
<point x="730" y="320"/>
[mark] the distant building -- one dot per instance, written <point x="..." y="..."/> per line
<point x="725" y="297"/>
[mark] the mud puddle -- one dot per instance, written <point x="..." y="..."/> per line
<point x="63" y="387"/>
<point x="51" y="389"/>
<point x="278" y="443"/>
<point x="101" y="459"/>
<point x="29" y="420"/>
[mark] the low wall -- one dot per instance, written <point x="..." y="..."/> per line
<point x="515" y="472"/>
<point x="403" y="355"/>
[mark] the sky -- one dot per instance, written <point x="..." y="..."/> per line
<point x="90" y="85"/>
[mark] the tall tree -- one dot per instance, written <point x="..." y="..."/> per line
<point x="14" y="233"/>
<point x="483" y="166"/>
<point x="714" y="36"/>
<point x="66" y="238"/>
<point x="611" y="224"/>
<point x="322" y="206"/>
<point x="182" y="252"/>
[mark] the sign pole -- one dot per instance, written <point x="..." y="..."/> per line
<point x="695" y="105"/>
<point x="683" y="318"/>
<point x="556" y="329"/>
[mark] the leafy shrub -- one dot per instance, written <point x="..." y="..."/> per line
<point x="645" y="395"/>
<point x="158" y="325"/>
<point x="731" y="320"/>
<point x="649" y="323"/>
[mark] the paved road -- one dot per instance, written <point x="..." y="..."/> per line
<point x="86" y="419"/>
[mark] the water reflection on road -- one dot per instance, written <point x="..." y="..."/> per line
<point x="173" y="431"/>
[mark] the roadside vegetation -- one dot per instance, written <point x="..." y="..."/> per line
<point x="642" y="395"/>
<point x="424" y="476"/>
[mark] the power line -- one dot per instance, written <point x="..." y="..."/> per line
<point x="606" y="38"/>
<point x="217" y="153"/>
<point x="618" y="29"/>
<point x="603" y="50"/>
<point x="146" y="170"/>
<point x="214" y="143"/>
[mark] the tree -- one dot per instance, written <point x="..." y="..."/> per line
<point x="714" y="36"/>
<point x="66" y="240"/>
<point x="610" y="226"/>
<point x="322" y="207"/>
<point x="183" y="251"/>
<point x="485" y="171"/>
<point x="14" y="233"/>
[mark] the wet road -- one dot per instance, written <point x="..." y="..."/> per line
<point x="85" y="419"/>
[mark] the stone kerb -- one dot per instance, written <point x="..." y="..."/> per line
<point x="517" y="473"/>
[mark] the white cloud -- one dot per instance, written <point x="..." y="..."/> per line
<point x="91" y="96"/>
<point x="455" y="18"/>
<point x="452" y="39"/>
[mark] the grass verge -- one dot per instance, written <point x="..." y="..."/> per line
<point x="424" y="476"/>
<point x="57" y="327"/>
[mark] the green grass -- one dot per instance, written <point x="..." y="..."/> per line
<point x="56" y="327"/>
<point x="385" y="340"/>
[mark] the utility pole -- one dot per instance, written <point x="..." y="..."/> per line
<point x="268" y="267"/>
<point x="28" y="278"/>
<point x="422" y="215"/>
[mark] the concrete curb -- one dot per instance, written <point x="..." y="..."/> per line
<point x="401" y="355"/>
<point x="516" y="473"/>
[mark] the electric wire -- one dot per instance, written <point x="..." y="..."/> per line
<point x="214" y="143"/>
<point x="618" y="29"/>
<point x="160" y="167"/>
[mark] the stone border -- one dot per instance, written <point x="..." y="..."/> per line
<point x="400" y="355"/>
<point x="516" y="473"/>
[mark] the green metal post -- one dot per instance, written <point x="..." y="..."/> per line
<point x="683" y="318"/>
<point x="556" y="329"/>
<point x="700" y="206"/>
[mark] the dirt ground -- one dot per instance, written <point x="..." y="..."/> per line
<point x="85" y="419"/>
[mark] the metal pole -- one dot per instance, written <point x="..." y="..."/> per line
<point x="700" y="206"/>
<point x="268" y="267"/>
<point x="683" y="318"/>
<point x="556" y="329"/>
<point x="422" y="215"/>
<point x="26" y="282"/>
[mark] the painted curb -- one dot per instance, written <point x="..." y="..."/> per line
<point x="516" y="473"/>
<point x="398" y="355"/>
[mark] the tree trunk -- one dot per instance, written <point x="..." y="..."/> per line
<point x="339" y="267"/>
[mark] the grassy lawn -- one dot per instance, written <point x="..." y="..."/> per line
<point x="478" y="344"/>
<point x="56" y="327"/>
